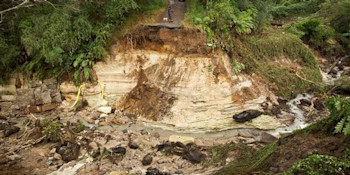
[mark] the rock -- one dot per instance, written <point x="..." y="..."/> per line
<point x="305" y="102"/>
<point x="282" y="101"/>
<point x="48" y="107"/>
<point x="4" y="159"/>
<point x="249" y="133"/>
<point x="267" y="138"/>
<point x="147" y="160"/>
<point x="96" y="101"/>
<point x="103" y="116"/>
<point x="155" y="171"/>
<point x="193" y="154"/>
<point x="117" y="173"/>
<point x="119" y="150"/>
<point x="156" y="135"/>
<point x="246" y="115"/>
<point x="183" y="139"/>
<point x="34" y="109"/>
<point x="10" y="130"/>
<point x="319" y="105"/>
<point x="52" y="151"/>
<point x="57" y="156"/>
<point x="105" y="109"/>
<point x="68" y="151"/>
<point x="144" y="132"/>
<point x="133" y="145"/>
<point x="264" y="122"/>
<point x="7" y="98"/>
<point x="286" y="119"/>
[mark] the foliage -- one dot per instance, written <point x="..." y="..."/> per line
<point x="340" y="111"/>
<point x="250" y="162"/>
<point x="62" y="38"/>
<point x="268" y="56"/>
<point x="51" y="130"/>
<point x="321" y="165"/>
<point x="287" y="8"/>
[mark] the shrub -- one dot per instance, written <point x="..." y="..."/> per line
<point x="340" y="111"/>
<point x="320" y="165"/>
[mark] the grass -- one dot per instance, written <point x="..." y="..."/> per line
<point x="195" y="9"/>
<point x="263" y="55"/>
<point x="250" y="163"/>
<point x="218" y="154"/>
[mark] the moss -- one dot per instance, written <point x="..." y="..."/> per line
<point x="263" y="55"/>
<point x="250" y="163"/>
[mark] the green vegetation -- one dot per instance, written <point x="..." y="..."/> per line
<point x="340" y="111"/>
<point x="282" y="59"/>
<point x="51" y="130"/>
<point x="320" y="165"/>
<point x="62" y="38"/>
<point x="251" y="162"/>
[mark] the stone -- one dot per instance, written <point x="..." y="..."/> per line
<point x="193" y="154"/>
<point x="34" y="109"/>
<point x="96" y="101"/>
<point x="133" y="145"/>
<point x="267" y="138"/>
<point x="183" y="139"/>
<point x="305" y="102"/>
<point x="11" y="130"/>
<point x="319" y="105"/>
<point x="119" y="150"/>
<point x="286" y="119"/>
<point x="249" y="133"/>
<point x="7" y="98"/>
<point x="57" y="156"/>
<point x="144" y="132"/>
<point x="4" y="159"/>
<point x="264" y="122"/>
<point x="147" y="160"/>
<point x="48" y="107"/>
<point x="104" y="116"/>
<point x="246" y="115"/>
<point x="68" y="150"/>
<point x="68" y="87"/>
<point x="105" y="109"/>
<point x="117" y="173"/>
<point x="46" y="97"/>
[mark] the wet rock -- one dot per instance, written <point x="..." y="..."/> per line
<point x="147" y="160"/>
<point x="267" y="138"/>
<point x="282" y="101"/>
<point x="119" y="150"/>
<point x="68" y="151"/>
<point x="133" y="145"/>
<point x="182" y="139"/>
<point x="10" y="130"/>
<point x="246" y="115"/>
<point x="249" y="133"/>
<point x="189" y="152"/>
<point x="305" y="102"/>
<point x="286" y="118"/>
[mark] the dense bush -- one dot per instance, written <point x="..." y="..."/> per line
<point x="340" y="111"/>
<point x="61" y="37"/>
<point x="320" y="165"/>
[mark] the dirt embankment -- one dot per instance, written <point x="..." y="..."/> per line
<point x="180" y="41"/>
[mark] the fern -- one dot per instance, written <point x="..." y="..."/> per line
<point x="340" y="111"/>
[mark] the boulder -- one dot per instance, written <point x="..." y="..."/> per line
<point x="267" y="138"/>
<point x="105" y="109"/>
<point x="246" y="115"/>
<point x="147" y="160"/>
<point x="265" y="122"/>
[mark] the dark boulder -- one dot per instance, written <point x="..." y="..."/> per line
<point x="246" y="115"/>
<point x="68" y="151"/>
<point x="147" y="160"/>
<point x="119" y="150"/>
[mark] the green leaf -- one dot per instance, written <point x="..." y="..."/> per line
<point x="86" y="73"/>
<point x="339" y="126"/>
